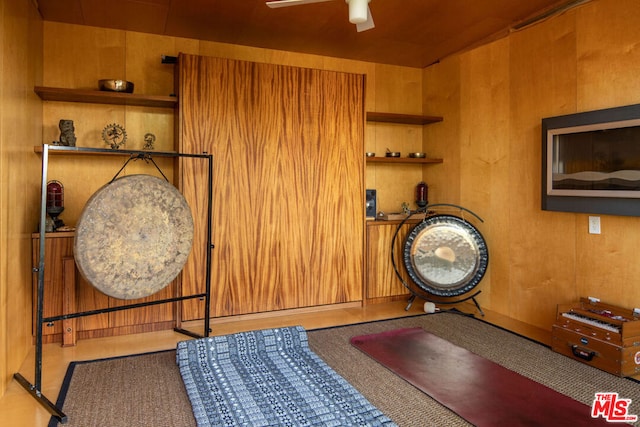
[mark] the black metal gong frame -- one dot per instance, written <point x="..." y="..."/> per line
<point x="35" y="388"/>
<point x="425" y="294"/>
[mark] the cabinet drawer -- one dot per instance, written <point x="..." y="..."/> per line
<point x="604" y="355"/>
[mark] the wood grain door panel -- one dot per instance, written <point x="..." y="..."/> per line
<point x="288" y="192"/>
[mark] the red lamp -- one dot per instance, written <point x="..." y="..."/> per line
<point x="422" y="194"/>
<point x="55" y="202"/>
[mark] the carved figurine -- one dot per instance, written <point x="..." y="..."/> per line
<point x="114" y="135"/>
<point x="149" y="140"/>
<point x="67" y="133"/>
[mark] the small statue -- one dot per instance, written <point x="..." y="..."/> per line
<point x="67" y="133"/>
<point x="114" y="135"/>
<point x="149" y="140"/>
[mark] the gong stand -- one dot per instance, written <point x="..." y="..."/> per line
<point x="433" y="293"/>
<point x="35" y="388"/>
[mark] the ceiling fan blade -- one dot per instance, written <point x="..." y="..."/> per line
<point x="286" y="3"/>
<point x="368" y="24"/>
<point x="363" y="26"/>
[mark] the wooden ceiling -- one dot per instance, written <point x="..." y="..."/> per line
<point x="413" y="33"/>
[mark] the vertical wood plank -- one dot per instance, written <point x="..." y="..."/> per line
<point x="69" y="332"/>
<point x="381" y="278"/>
<point x="485" y="168"/>
<point x="607" y="62"/>
<point x="55" y="249"/>
<point x="542" y="247"/>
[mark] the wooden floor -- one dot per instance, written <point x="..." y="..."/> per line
<point x="19" y="409"/>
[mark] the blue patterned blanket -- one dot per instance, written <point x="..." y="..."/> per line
<point x="269" y="378"/>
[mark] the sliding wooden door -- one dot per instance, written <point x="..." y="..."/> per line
<point x="288" y="202"/>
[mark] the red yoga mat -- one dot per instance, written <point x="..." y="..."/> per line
<point x="477" y="389"/>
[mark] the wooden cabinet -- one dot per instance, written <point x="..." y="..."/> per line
<point x="66" y="292"/>
<point x="381" y="280"/>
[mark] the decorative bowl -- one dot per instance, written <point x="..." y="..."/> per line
<point x="418" y="155"/>
<point x="393" y="154"/>
<point x="114" y="85"/>
<point x="370" y="154"/>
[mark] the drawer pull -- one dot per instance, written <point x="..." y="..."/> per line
<point x="582" y="353"/>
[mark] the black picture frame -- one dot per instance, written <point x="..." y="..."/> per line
<point x="605" y="119"/>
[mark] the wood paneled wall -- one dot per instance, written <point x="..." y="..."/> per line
<point x="77" y="57"/>
<point x="288" y="147"/>
<point x="20" y="124"/>
<point x="136" y="56"/>
<point x="493" y="99"/>
<point x="395" y="183"/>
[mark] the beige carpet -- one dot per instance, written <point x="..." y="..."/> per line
<point x="147" y="390"/>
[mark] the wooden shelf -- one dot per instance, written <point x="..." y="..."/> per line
<point x="395" y="222"/>
<point x="54" y="234"/>
<point x="401" y="160"/>
<point x="102" y="97"/>
<point x="62" y="149"/>
<point x="408" y="119"/>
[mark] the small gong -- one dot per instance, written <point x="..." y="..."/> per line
<point x="133" y="236"/>
<point x="445" y="255"/>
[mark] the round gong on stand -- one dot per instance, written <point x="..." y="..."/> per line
<point x="133" y="236"/>
<point x="445" y="257"/>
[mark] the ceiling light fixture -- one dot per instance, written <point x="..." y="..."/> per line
<point x="358" y="11"/>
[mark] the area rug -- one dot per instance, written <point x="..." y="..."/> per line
<point x="269" y="378"/>
<point x="136" y="390"/>
<point x="477" y="389"/>
<point x="147" y="390"/>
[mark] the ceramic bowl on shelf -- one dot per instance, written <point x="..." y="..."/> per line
<point x="418" y="155"/>
<point x="370" y="154"/>
<point x="392" y="154"/>
<point x="114" y="85"/>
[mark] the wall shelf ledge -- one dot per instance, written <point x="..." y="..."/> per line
<point x="402" y="160"/>
<point x="408" y="119"/>
<point x="103" y="97"/>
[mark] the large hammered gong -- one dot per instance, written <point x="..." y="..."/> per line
<point x="133" y="237"/>
<point x="445" y="255"/>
